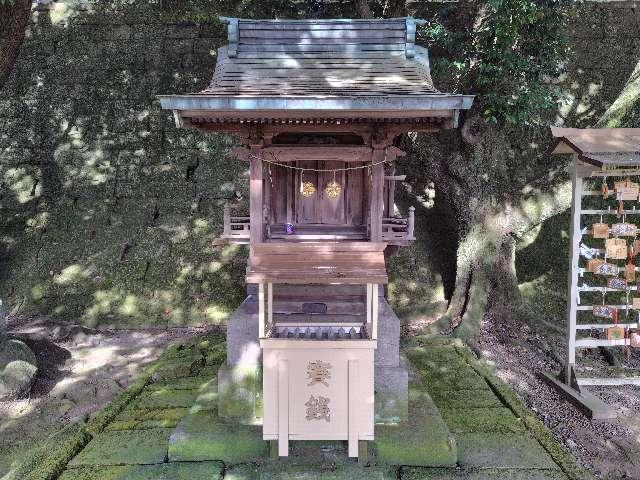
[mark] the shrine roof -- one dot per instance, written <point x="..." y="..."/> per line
<point x="314" y="68"/>
<point x="600" y="146"/>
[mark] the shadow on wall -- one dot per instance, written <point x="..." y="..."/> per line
<point x="107" y="210"/>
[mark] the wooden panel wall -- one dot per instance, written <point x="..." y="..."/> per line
<point x="288" y="204"/>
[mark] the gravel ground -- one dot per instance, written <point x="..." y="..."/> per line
<point x="610" y="449"/>
<point x="79" y="371"/>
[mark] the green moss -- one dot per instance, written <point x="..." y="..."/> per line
<point x="133" y="419"/>
<point x="496" y="450"/>
<point x="168" y="471"/>
<point x="423" y="439"/>
<point x="559" y="454"/>
<point x="465" y="398"/>
<point x="469" y="420"/>
<point x="128" y="447"/>
<point x="163" y="398"/>
<point x="98" y="422"/>
<point x="92" y="473"/>
<point x="187" y="383"/>
<point x="48" y="460"/>
<point x="413" y="473"/>
<point x="291" y="472"/>
<point x="204" y="436"/>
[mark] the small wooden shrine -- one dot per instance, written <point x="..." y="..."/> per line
<point x="603" y="302"/>
<point x="317" y="107"/>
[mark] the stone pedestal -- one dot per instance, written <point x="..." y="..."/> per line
<point x="241" y="395"/>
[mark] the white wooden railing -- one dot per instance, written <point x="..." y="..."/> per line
<point x="399" y="229"/>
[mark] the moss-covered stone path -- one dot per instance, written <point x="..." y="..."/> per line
<point x="496" y="436"/>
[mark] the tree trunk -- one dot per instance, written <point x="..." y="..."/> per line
<point x="14" y="16"/>
<point x="491" y="213"/>
<point x="363" y="9"/>
<point x="489" y="231"/>
<point x="395" y="8"/>
<point x="626" y="107"/>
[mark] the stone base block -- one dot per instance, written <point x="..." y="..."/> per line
<point x="391" y="395"/>
<point x="243" y="347"/>
<point x="203" y="436"/>
<point x="240" y="394"/>
<point x="423" y="440"/>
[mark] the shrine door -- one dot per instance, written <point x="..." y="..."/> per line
<point x="345" y="209"/>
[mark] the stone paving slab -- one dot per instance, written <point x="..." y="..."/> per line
<point x="497" y="450"/>
<point x="129" y="447"/>
<point x="203" y="436"/>
<point x="416" y="473"/>
<point x="146" y="419"/>
<point x="469" y="420"/>
<point x="187" y="383"/>
<point x="285" y="472"/>
<point x="166" y="471"/>
<point x="164" y="398"/>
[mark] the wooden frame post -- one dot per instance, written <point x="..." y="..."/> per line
<point x="375" y="303"/>
<point x="353" y="422"/>
<point x="369" y="300"/>
<point x="270" y="304"/>
<point x="574" y="249"/>
<point x="283" y="408"/>
<point x="256" y="232"/>
<point x="261" y="315"/>
<point x="376" y="205"/>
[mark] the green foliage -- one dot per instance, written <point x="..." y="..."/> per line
<point x="506" y="52"/>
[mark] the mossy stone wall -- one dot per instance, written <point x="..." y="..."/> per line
<point x="108" y="211"/>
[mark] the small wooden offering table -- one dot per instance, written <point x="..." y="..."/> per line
<point x="317" y="107"/>
<point x="318" y="376"/>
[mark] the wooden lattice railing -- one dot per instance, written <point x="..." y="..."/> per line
<point x="398" y="229"/>
<point x="395" y="230"/>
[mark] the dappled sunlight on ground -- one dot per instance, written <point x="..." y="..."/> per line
<point x="100" y="365"/>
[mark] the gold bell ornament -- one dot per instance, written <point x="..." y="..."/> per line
<point x="307" y="189"/>
<point x="333" y="188"/>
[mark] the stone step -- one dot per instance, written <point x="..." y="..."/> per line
<point x="203" y="435"/>
<point x="422" y="440"/>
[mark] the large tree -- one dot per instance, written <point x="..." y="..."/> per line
<point x="490" y="185"/>
<point x="14" y="15"/>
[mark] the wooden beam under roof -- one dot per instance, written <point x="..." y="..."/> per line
<point x="338" y="153"/>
